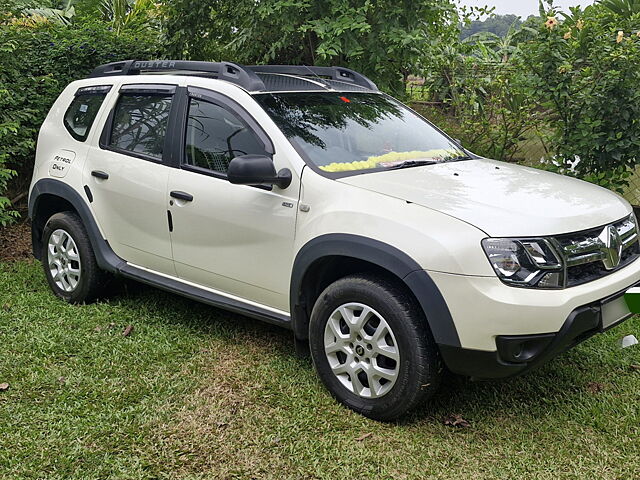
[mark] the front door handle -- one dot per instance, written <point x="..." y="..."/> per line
<point x="187" y="197"/>
<point x="100" y="174"/>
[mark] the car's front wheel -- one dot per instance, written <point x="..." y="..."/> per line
<point x="68" y="260"/>
<point x="372" y="347"/>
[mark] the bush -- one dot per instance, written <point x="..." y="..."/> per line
<point x="7" y="215"/>
<point x="39" y="58"/>
<point x="584" y="72"/>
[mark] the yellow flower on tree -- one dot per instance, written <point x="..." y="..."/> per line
<point x="551" y="23"/>
<point x="580" y="24"/>
<point x="620" y="36"/>
<point x="567" y="35"/>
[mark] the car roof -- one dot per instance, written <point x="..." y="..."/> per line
<point x="253" y="79"/>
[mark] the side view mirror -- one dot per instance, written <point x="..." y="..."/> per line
<point x="257" y="170"/>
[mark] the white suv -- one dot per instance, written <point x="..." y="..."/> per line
<point x="305" y="197"/>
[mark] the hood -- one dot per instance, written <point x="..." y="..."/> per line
<point x="502" y="199"/>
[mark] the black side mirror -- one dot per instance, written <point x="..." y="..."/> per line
<point x="257" y="170"/>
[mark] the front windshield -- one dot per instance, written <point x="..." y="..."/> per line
<point x="349" y="132"/>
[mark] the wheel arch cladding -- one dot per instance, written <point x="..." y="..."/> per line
<point x="47" y="190"/>
<point x="383" y="256"/>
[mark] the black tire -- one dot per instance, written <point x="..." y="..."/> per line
<point x="92" y="281"/>
<point x="420" y="367"/>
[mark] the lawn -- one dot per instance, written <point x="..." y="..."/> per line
<point x="193" y="392"/>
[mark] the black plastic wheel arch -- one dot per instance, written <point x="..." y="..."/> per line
<point x="385" y="256"/>
<point x="105" y="257"/>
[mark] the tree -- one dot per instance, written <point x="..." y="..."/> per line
<point x="385" y="39"/>
<point x="498" y="25"/>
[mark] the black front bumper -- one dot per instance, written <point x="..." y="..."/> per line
<point x="518" y="354"/>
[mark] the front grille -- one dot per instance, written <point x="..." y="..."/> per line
<point x="585" y="253"/>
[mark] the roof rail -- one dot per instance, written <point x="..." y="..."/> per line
<point x="221" y="70"/>
<point x="244" y="76"/>
<point x="335" y="73"/>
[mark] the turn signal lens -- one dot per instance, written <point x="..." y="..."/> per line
<point x="551" y="280"/>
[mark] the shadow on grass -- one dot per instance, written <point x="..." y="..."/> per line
<point x="542" y="392"/>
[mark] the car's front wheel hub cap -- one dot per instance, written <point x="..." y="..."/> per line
<point x="362" y="350"/>
<point x="64" y="260"/>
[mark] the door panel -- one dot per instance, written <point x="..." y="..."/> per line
<point x="129" y="181"/>
<point x="234" y="238"/>
<point x="131" y="207"/>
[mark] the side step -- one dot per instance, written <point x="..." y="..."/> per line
<point x="204" y="296"/>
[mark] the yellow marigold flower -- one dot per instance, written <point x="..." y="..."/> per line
<point x="580" y="24"/>
<point x="620" y="36"/>
<point x="551" y="23"/>
<point x="567" y="35"/>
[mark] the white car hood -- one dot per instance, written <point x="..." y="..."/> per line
<point x="502" y="199"/>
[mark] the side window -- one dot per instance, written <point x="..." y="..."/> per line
<point x="215" y="136"/>
<point x="83" y="110"/>
<point x="140" y="123"/>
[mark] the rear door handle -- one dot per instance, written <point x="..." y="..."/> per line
<point x="187" y="197"/>
<point x="100" y="174"/>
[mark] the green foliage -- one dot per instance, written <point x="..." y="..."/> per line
<point x="499" y="25"/>
<point x="7" y="215"/>
<point x="386" y="39"/>
<point x="62" y="16"/>
<point x="622" y="8"/>
<point x="584" y="74"/>
<point x="127" y="14"/>
<point x="482" y="96"/>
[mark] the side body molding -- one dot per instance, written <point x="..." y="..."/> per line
<point x="106" y="258"/>
<point x="386" y="256"/>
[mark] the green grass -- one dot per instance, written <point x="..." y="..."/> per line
<point x="196" y="393"/>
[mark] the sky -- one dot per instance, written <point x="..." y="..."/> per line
<point x="523" y="8"/>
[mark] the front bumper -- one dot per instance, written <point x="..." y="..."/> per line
<point x="529" y="351"/>
<point x="506" y="331"/>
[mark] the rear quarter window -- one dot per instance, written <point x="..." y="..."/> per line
<point x="83" y="110"/>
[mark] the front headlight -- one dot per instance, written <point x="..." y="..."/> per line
<point x="530" y="263"/>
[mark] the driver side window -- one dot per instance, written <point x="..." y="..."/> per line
<point x="215" y="136"/>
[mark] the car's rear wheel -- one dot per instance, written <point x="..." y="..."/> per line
<point x="68" y="260"/>
<point x="372" y="347"/>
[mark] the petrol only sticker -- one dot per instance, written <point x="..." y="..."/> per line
<point x="632" y="297"/>
<point x="60" y="163"/>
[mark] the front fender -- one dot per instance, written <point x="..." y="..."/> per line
<point x="386" y="256"/>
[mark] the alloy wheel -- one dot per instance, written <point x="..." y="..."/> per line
<point x="64" y="260"/>
<point x="362" y="350"/>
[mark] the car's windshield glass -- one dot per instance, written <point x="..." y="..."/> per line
<point x="349" y="132"/>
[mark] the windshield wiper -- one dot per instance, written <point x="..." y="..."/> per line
<point x="421" y="163"/>
<point x="413" y="163"/>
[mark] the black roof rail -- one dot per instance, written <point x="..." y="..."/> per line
<point x="221" y="70"/>
<point x="245" y="76"/>
<point x="335" y="73"/>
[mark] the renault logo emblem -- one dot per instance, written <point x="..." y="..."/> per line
<point x="611" y="247"/>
